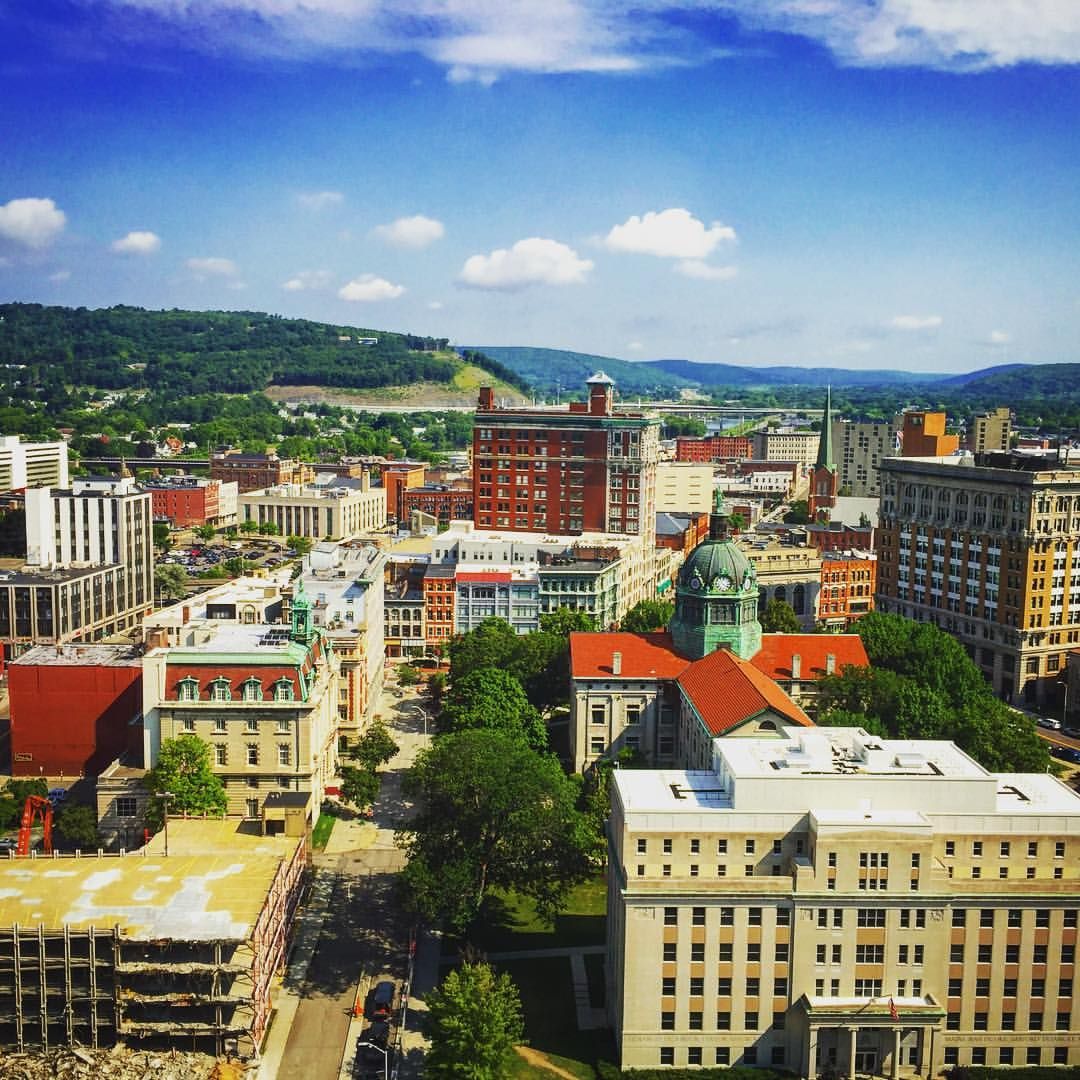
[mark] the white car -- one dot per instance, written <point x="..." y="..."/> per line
<point x="1049" y="722"/>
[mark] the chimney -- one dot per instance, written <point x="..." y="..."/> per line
<point x="616" y="663"/>
<point x="830" y="664"/>
<point x="796" y="666"/>
<point x="487" y="399"/>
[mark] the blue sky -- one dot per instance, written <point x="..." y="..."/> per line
<point x="861" y="183"/>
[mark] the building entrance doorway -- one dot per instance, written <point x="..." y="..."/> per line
<point x="866" y="1062"/>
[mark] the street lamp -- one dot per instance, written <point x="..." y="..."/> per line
<point x="422" y="711"/>
<point x="166" y="795"/>
<point x="385" y="1055"/>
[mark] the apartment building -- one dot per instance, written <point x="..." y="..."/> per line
<point x="859" y="447"/>
<point x="713" y="448"/>
<point x="185" y="501"/>
<point x="333" y="508"/>
<point x="565" y="471"/>
<point x="397" y="478"/>
<point x="89" y="565"/>
<point x="848" y="582"/>
<point x="988" y="548"/>
<point x="786" y="444"/>
<point x="990" y="432"/>
<point x="440" y="602"/>
<point x="263" y="695"/>
<point x="827" y="902"/>
<point x="443" y="502"/>
<point x="922" y="434"/>
<point x="683" y="487"/>
<point x="29" y="464"/>
<point x="405" y="621"/>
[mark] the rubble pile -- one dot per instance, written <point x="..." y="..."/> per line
<point x="119" y="1063"/>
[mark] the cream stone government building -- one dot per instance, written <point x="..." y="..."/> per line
<point x="825" y="901"/>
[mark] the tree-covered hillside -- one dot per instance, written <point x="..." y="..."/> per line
<point x="193" y="352"/>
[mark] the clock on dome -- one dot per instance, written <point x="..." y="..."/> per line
<point x="747" y="579"/>
<point x="723" y="583"/>
<point x="696" y="582"/>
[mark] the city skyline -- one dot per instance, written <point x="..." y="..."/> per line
<point x="858" y="185"/>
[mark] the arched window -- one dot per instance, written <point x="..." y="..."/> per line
<point x="253" y="689"/>
<point x="187" y="689"/>
<point x="780" y="593"/>
<point x="798" y="599"/>
<point x="283" y="690"/>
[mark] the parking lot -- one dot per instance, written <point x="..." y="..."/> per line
<point x="198" y="558"/>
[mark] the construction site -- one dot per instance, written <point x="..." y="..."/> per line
<point x="174" y="947"/>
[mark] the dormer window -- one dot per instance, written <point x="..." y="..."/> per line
<point x="220" y="689"/>
<point x="283" y="690"/>
<point x="252" y="689"/>
<point x="187" y="689"/>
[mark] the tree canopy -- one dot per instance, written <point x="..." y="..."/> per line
<point x="647" y="615"/>
<point x="183" y="769"/>
<point x="493" y="814"/>
<point x="474" y="1021"/>
<point x="923" y="685"/>
<point x="492" y="698"/>
<point x="779" y="618"/>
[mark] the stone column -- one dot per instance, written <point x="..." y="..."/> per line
<point x="811" y="1054"/>
<point x="852" y="1032"/>
<point x="895" y="1072"/>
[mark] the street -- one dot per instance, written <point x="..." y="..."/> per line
<point x="361" y="933"/>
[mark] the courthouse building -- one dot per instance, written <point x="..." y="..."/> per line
<point x="827" y="901"/>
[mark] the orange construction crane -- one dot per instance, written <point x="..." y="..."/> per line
<point x="35" y="806"/>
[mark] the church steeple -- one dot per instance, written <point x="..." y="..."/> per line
<point x="825" y="458"/>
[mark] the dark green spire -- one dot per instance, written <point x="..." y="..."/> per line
<point x="825" y="450"/>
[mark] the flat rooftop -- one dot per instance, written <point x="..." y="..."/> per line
<point x="81" y="656"/>
<point x="211" y="887"/>
<point x="847" y="778"/>
<point x="241" y="590"/>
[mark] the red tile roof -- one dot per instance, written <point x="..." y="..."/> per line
<point x="644" y="656"/>
<point x="727" y="691"/>
<point x="774" y="658"/>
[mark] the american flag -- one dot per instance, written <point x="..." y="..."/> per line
<point x="893" y="1014"/>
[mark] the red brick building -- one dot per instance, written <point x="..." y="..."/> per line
<point x="848" y="580"/>
<point x="399" y="477"/>
<point x="440" y="593"/>
<point x="713" y="448"/>
<point x="565" y="471"/>
<point x="441" y="501"/>
<point x="681" y="532"/>
<point x="73" y="708"/>
<point x="184" y="500"/>
<point x="255" y="471"/>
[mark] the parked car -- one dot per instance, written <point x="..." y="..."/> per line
<point x="381" y="1002"/>
<point x="1049" y="722"/>
<point x="57" y="795"/>
<point x="1066" y="753"/>
<point x="8" y="843"/>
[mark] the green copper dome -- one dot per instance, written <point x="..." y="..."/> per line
<point x="716" y="596"/>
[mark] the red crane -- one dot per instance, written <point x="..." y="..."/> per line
<point x="35" y="806"/>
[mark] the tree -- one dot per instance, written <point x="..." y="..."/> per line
<point x="375" y="747"/>
<point x="170" y="581"/>
<point x="565" y="621"/>
<point x="407" y="675"/>
<point x="14" y="798"/>
<point x="798" y="513"/>
<point x="491" y="644"/>
<point x="206" y="533"/>
<point x="493" y="814"/>
<point x="359" y="786"/>
<point x="77" y="826"/>
<point x="779" y="618"/>
<point x="249" y="527"/>
<point x="494" y="699"/>
<point x="474" y="1020"/>
<point x="737" y="522"/>
<point x="268" y="528"/>
<point x="183" y="769"/>
<point x="162" y="536"/>
<point x="647" y="615"/>
<point x="300" y="544"/>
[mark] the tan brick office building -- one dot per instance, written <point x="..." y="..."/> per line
<point x="824" y="900"/>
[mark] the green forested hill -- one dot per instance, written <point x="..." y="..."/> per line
<point x="193" y="352"/>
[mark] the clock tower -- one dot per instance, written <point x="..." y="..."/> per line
<point x="716" y="596"/>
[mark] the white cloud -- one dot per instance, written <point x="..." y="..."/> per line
<point x="139" y="242"/>
<point x="915" y="322"/>
<point x="368" y="288"/>
<point x="411" y="232"/>
<point x="60" y="275"/>
<point x="670" y="234"/>
<point x="319" y="200"/>
<point x="308" y="279"/>
<point x="212" y="267"/>
<point x="32" y="223"/>
<point x="634" y="346"/>
<point x="695" y="268"/>
<point x="534" y="261"/>
<point x="480" y="40"/>
<point x="999" y="337"/>
<point x="435" y="305"/>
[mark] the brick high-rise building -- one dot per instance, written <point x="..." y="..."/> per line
<point x="923" y="435"/>
<point x="565" y="471"/>
<point x="988" y="548"/>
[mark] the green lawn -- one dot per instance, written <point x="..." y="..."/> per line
<point x="321" y="833"/>
<point x="509" y="922"/>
